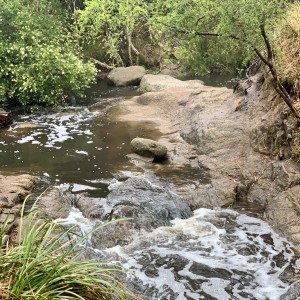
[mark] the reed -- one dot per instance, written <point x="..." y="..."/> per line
<point x="45" y="265"/>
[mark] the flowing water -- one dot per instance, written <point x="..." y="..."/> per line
<point x="78" y="145"/>
<point x="212" y="254"/>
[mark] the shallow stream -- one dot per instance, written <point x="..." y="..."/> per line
<point x="210" y="254"/>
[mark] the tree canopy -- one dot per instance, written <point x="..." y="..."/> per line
<point x="41" y="41"/>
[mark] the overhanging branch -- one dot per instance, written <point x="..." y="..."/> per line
<point x="268" y="61"/>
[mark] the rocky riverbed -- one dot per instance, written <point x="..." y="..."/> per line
<point x="236" y="141"/>
<point x="237" y="138"/>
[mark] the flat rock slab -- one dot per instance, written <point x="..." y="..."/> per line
<point x="126" y="76"/>
<point x="154" y="83"/>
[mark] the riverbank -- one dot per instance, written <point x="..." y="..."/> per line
<point x="221" y="153"/>
<point x="238" y="139"/>
<point x="235" y="141"/>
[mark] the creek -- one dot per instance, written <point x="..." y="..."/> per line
<point x="172" y="252"/>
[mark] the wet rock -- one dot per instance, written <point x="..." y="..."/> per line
<point x="283" y="213"/>
<point x="126" y="76"/>
<point x="293" y="292"/>
<point x="118" y="233"/>
<point x="149" y="205"/>
<point x="14" y="189"/>
<point x="5" y="118"/>
<point x="58" y="202"/>
<point x="148" y="148"/>
<point x="154" y="83"/>
<point x="209" y="272"/>
<point x="91" y="208"/>
<point x="55" y="203"/>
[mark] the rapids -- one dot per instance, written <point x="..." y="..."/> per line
<point x="215" y="254"/>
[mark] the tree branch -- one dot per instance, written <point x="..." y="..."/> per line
<point x="101" y="64"/>
<point x="267" y="43"/>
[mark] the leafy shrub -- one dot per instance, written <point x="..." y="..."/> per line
<point x="39" y="61"/>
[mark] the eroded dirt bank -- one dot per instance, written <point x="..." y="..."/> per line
<point x="240" y="139"/>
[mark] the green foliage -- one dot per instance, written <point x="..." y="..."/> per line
<point x="112" y="24"/>
<point x="45" y="266"/>
<point x="215" y="34"/>
<point x="39" y="63"/>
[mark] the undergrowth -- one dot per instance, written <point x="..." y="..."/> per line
<point x="288" y="44"/>
<point x="45" y="265"/>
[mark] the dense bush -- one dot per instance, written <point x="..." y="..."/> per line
<point x="113" y="24"/>
<point x="39" y="61"/>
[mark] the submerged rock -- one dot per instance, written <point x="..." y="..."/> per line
<point x="126" y="76"/>
<point x="293" y="292"/>
<point x="148" y="148"/>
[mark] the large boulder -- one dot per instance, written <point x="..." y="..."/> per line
<point x="125" y="76"/>
<point x="148" y="148"/>
<point x="154" y="83"/>
<point x="5" y="118"/>
<point x="149" y="206"/>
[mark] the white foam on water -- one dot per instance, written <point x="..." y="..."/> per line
<point x="216" y="288"/>
<point x="58" y="128"/>
<point x="220" y="253"/>
<point x="25" y="139"/>
<point x="81" y="152"/>
<point x="103" y="180"/>
<point x="80" y="187"/>
<point x="76" y="217"/>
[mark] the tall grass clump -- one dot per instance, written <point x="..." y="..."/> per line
<point x="44" y="264"/>
<point x="287" y="39"/>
